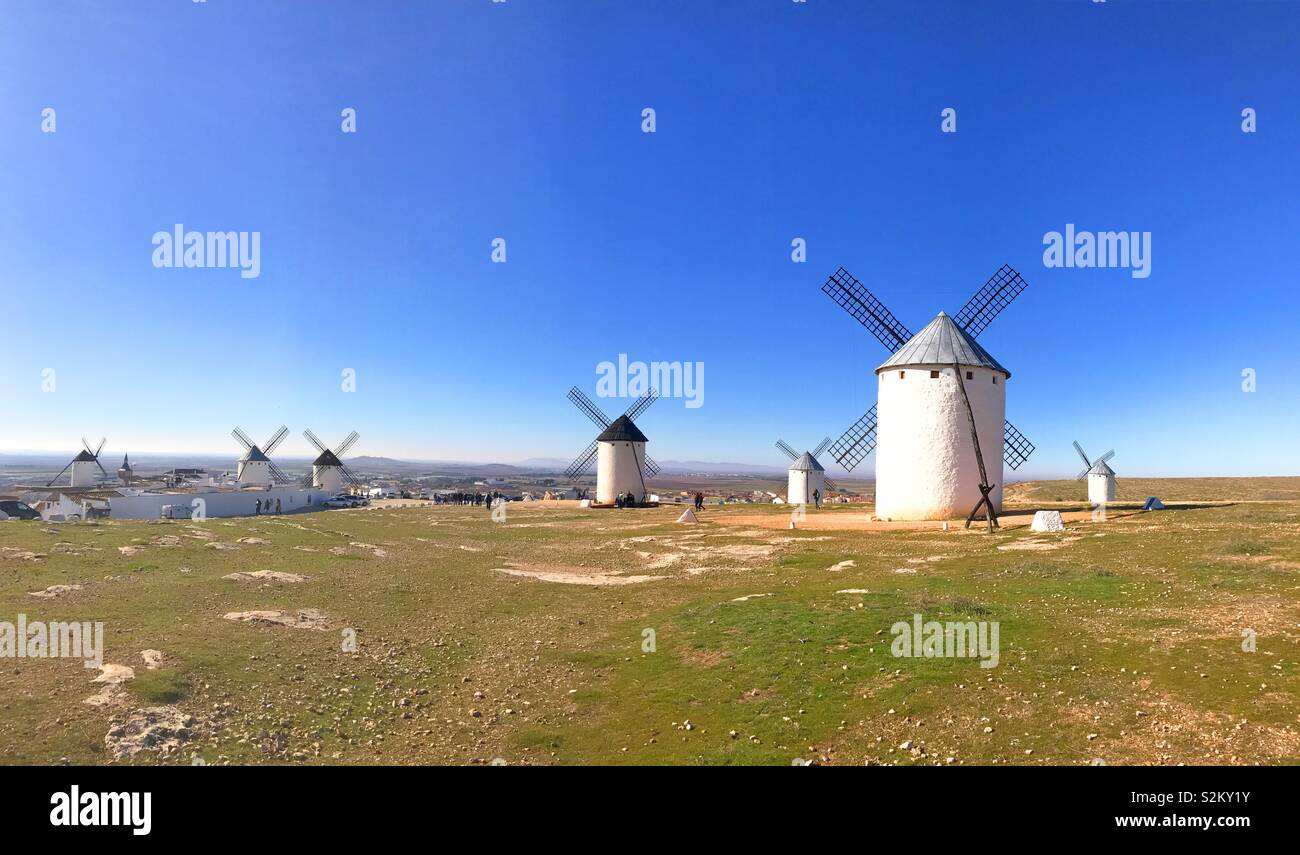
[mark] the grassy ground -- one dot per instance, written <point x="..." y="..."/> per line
<point x="1119" y="641"/>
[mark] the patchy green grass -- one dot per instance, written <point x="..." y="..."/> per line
<point x="1124" y="642"/>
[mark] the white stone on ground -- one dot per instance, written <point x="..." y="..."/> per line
<point x="1048" y="521"/>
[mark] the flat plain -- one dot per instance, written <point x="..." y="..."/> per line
<point x="570" y="636"/>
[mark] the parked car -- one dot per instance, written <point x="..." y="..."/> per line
<point x="340" y="501"/>
<point x="16" y="510"/>
<point x="175" y="512"/>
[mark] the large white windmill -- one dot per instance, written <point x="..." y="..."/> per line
<point x="83" y="467"/>
<point x="622" y="466"/>
<point x="1101" y="478"/>
<point x="255" y="467"/>
<point x="807" y="475"/>
<point x="328" y="471"/>
<point x="938" y="427"/>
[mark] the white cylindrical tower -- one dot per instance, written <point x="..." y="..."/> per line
<point x="926" y="466"/>
<point x="1101" y="484"/>
<point x="327" y="478"/>
<point x="806" y="477"/>
<point x="83" y="470"/>
<point x="254" y="469"/>
<point x="620" y="461"/>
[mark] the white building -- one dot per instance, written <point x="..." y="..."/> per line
<point x="327" y="473"/>
<point x="925" y="457"/>
<point x="254" y="469"/>
<point x="620" y="461"/>
<point x="83" y="470"/>
<point x="806" y="477"/>
<point x="1101" y="483"/>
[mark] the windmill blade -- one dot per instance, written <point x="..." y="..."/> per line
<point x="1087" y="464"/>
<point x="347" y="443"/>
<point x="831" y="484"/>
<point x="102" y="469"/>
<point x="589" y="409"/>
<point x="989" y="301"/>
<point x="854" y="298"/>
<point x="856" y="442"/>
<point x="86" y="445"/>
<point x="50" y="483"/>
<point x="351" y="477"/>
<point x="651" y="468"/>
<point x="789" y="452"/>
<point x="1015" y="447"/>
<point x="640" y="405"/>
<point x="821" y="446"/>
<point x="582" y="463"/>
<point x="1107" y="456"/>
<point x="100" y="447"/>
<point x="312" y="438"/>
<point x="242" y="439"/>
<point x="279" y="476"/>
<point x="276" y="439"/>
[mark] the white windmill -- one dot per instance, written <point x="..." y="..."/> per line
<point x="328" y="471"/>
<point x="255" y="467"/>
<point x="940" y="407"/>
<point x="619" y="450"/>
<point x="83" y="467"/>
<point x="1101" y="478"/>
<point x="807" y="475"/>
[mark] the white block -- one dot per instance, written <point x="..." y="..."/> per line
<point x="1048" y="521"/>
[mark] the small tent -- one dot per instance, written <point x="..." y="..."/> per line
<point x="688" y="516"/>
<point x="1153" y="504"/>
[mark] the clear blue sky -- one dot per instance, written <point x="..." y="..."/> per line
<point x="522" y="120"/>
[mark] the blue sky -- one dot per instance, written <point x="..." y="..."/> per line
<point x="522" y="120"/>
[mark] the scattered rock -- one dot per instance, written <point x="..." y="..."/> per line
<point x="301" y="619"/>
<point x="264" y="575"/>
<point x="54" y="591"/>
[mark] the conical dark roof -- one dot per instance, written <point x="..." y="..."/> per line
<point x="327" y="458"/>
<point x="84" y="457"/>
<point x="622" y="429"/>
<point x="942" y="342"/>
<point x="807" y="463"/>
<point x="254" y="455"/>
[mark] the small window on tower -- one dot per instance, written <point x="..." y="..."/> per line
<point x="902" y="374"/>
<point x="934" y="374"/>
<point x="995" y="379"/>
<point x="970" y="375"/>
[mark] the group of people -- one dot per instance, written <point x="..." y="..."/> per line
<point x="699" y="501"/>
<point x="267" y="508"/>
<point x="626" y="500"/>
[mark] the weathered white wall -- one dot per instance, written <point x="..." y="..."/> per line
<point x="328" y="478"/>
<point x="925" y="459"/>
<point x="240" y="503"/>
<point x="802" y="483"/>
<point x="83" y="473"/>
<point x="618" y="469"/>
<point x="1101" y="488"/>
<point x="255" y="473"/>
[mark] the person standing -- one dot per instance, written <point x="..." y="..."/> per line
<point x="817" y="499"/>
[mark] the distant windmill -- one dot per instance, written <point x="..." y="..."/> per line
<point x="255" y="467"/>
<point x="1101" y="478"/>
<point x="807" y="475"/>
<point x="328" y="470"/>
<point x="83" y="467"/>
<point x="623" y="465"/>
<point x="937" y="392"/>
